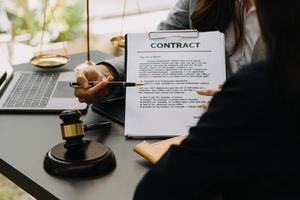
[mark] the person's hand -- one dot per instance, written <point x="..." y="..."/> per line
<point x="208" y="92"/>
<point x="93" y="94"/>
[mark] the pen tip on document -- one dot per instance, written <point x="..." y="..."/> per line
<point x="139" y="84"/>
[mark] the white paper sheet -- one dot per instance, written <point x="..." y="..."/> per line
<point x="171" y="68"/>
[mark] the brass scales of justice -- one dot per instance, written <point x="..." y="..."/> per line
<point x="49" y="60"/>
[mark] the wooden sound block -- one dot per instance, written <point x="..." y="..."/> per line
<point x="96" y="160"/>
<point x="153" y="152"/>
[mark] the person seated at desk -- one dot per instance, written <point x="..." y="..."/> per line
<point x="246" y="146"/>
<point x="237" y="19"/>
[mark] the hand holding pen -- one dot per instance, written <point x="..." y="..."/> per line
<point x="95" y="94"/>
<point x="89" y="91"/>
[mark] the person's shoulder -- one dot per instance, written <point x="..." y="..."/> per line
<point x="252" y="74"/>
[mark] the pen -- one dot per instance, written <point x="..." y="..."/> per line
<point x="110" y="84"/>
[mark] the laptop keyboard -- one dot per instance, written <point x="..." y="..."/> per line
<point x="32" y="90"/>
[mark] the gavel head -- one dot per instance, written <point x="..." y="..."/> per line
<point x="71" y="127"/>
<point x="72" y="130"/>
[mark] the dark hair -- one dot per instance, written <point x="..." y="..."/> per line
<point x="217" y="15"/>
<point x="279" y="21"/>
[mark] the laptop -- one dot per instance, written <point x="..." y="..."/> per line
<point x="41" y="91"/>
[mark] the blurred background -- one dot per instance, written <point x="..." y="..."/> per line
<point x="21" y="31"/>
<point x="10" y="191"/>
<point x="21" y="21"/>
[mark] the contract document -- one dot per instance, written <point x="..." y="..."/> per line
<point x="172" y="65"/>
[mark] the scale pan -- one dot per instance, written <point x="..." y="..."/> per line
<point x="49" y="60"/>
<point x="118" y="41"/>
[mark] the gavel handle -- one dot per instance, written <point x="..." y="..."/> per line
<point x="103" y="124"/>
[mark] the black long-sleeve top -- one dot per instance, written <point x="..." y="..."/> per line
<point x="242" y="148"/>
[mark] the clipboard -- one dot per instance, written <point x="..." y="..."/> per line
<point x="203" y="53"/>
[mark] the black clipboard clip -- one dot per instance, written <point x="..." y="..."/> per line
<point x="191" y="33"/>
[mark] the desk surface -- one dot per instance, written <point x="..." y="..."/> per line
<point x="25" y="139"/>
